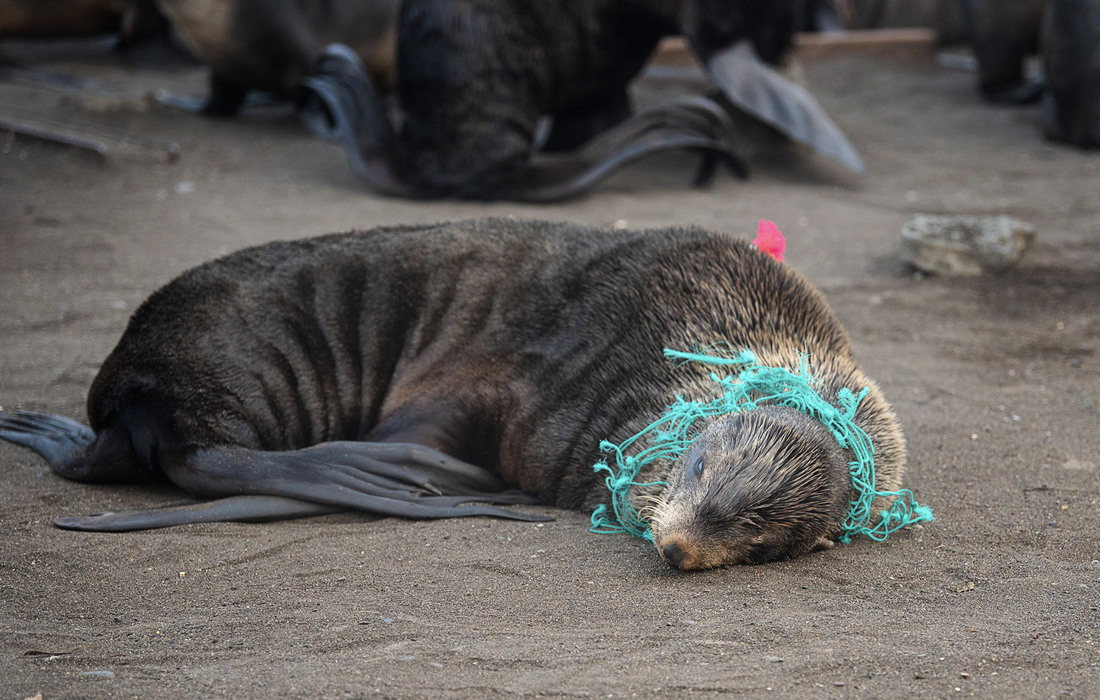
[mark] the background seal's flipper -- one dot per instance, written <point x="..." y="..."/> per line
<point x="752" y="85"/>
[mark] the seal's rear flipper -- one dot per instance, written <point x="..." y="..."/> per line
<point x="72" y="450"/>
<point x="695" y="123"/>
<point x="57" y="439"/>
<point x="760" y="90"/>
<point x="246" y="509"/>
<point x="553" y="178"/>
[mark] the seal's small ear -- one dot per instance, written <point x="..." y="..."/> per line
<point x="758" y="89"/>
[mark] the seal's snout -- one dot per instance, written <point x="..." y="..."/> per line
<point x="673" y="554"/>
<point x="681" y="553"/>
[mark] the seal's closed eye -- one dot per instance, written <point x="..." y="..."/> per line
<point x="697" y="466"/>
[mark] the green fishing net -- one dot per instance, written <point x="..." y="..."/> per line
<point x="672" y="434"/>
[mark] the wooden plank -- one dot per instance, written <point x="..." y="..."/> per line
<point x="901" y="44"/>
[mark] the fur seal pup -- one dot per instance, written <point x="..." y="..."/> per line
<point x="134" y="21"/>
<point x="1066" y="34"/>
<point x="270" y="45"/>
<point x="408" y="370"/>
<point x="475" y="79"/>
<point x="1071" y="61"/>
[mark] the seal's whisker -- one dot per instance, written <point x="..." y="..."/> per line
<point x="654" y="508"/>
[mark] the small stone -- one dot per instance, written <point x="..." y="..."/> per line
<point x="98" y="674"/>
<point x="774" y="659"/>
<point x="964" y="245"/>
<point x="1078" y="465"/>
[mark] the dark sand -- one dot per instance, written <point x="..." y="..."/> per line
<point x="996" y="380"/>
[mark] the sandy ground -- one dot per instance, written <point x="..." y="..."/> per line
<point x="996" y="380"/>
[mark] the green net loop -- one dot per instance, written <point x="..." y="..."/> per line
<point x="672" y="434"/>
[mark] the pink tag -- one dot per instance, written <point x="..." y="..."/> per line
<point x="770" y="240"/>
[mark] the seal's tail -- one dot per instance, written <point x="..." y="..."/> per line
<point x="72" y="449"/>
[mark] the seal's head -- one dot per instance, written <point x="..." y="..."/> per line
<point x="770" y="483"/>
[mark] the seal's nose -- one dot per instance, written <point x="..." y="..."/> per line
<point x="673" y="554"/>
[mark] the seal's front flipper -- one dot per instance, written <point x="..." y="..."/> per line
<point x="406" y="480"/>
<point x="247" y="509"/>
<point x="57" y="439"/>
<point x="760" y="90"/>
